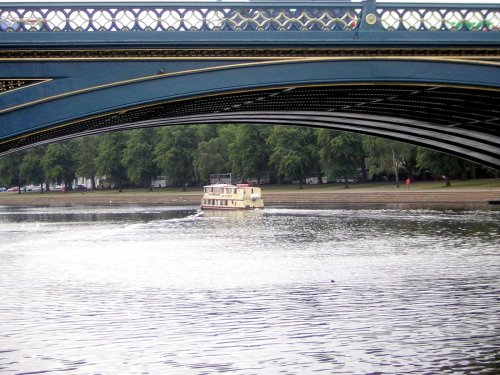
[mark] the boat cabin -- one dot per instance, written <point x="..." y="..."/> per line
<point x="231" y="197"/>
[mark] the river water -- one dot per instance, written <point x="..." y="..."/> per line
<point x="141" y="290"/>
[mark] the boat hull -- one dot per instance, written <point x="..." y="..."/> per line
<point x="218" y="208"/>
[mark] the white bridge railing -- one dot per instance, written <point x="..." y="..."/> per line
<point x="224" y="17"/>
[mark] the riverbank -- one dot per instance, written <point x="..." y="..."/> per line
<point x="461" y="194"/>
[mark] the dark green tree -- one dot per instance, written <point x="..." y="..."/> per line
<point x="109" y="162"/>
<point x="248" y="150"/>
<point x="441" y="164"/>
<point x="207" y="132"/>
<point x="139" y="157"/>
<point x="293" y="151"/>
<point x="387" y="156"/>
<point x="86" y="154"/>
<point x="9" y="170"/>
<point x="342" y="154"/>
<point x="175" y="153"/>
<point x="59" y="163"/>
<point x="31" y="170"/>
<point x="211" y="157"/>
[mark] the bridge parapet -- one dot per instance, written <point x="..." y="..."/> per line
<point x="181" y="17"/>
<point x="439" y="17"/>
<point x="241" y="17"/>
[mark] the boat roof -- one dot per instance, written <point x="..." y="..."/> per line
<point x="220" y="185"/>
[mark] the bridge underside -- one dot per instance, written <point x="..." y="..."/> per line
<point x="458" y="120"/>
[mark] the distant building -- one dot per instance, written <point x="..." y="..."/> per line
<point x="315" y="180"/>
<point x="223" y="178"/>
<point x="159" y="182"/>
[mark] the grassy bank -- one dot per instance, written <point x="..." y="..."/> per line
<point x="473" y="191"/>
<point x="485" y="184"/>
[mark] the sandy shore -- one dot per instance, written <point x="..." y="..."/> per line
<point x="303" y="198"/>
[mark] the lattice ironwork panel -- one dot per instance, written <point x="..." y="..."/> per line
<point x="442" y="19"/>
<point x="144" y="18"/>
<point x="14" y="84"/>
<point x="246" y="17"/>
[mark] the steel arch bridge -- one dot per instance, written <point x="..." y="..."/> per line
<point x="426" y="74"/>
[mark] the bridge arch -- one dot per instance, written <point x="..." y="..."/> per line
<point x="443" y="103"/>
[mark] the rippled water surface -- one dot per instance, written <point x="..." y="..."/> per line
<point x="136" y="290"/>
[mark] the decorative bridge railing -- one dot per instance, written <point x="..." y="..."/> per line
<point x="248" y="16"/>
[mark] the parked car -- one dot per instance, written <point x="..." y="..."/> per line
<point x="80" y="187"/>
<point x="33" y="188"/>
<point x="13" y="189"/>
<point x="2" y="189"/>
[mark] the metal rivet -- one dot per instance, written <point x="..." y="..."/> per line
<point x="371" y="19"/>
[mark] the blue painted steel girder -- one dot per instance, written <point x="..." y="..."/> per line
<point x="60" y="105"/>
<point x="112" y="88"/>
<point x="249" y="39"/>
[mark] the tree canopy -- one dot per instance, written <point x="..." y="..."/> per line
<point x="138" y="157"/>
<point x="188" y="155"/>
<point x="342" y="154"/>
<point x="109" y="161"/>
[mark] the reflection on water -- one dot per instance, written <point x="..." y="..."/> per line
<point x="89" y="214"/>
<point x="169" y="290"/>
